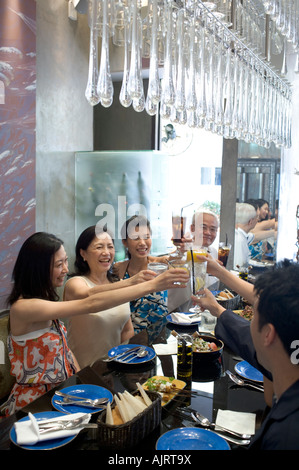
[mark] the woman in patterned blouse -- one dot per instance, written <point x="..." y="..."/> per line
<point x="39" y="354"/>
<point x="148" y="311"/>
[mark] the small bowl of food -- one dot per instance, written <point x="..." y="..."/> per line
<point x="229" y="300"/>
<point x="206" y="347"/>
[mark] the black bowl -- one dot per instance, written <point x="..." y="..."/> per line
<point x="230" y="304"/>
<point x="207" y="371"/>
<point x="208" y="355"/>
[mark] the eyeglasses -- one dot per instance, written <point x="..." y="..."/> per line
<point x="206" y="228"/>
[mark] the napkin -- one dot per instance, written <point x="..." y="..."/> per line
<point x="27" y="432"/>
<point x="163" y="349"/>
<point x="237" y="421"/>
<point x="183" y="318"/>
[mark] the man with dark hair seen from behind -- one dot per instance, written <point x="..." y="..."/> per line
<point x="270" y="342"/>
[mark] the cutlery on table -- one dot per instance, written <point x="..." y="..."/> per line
<point x="121" y="355"/>
<point x="142" y="352"/>
<point x="52" y="421"/>
<point x="244" y="383"/>
<point x="63" y="425"/>
<point x="44" y="430"/>
<point x="233" y="440"/>
<point x="67" y="398"/>
<point x="239" y="442"/>
<point x="203" y="421"/>
<point x="88" y="403"/>
<point x="194" y="315"/>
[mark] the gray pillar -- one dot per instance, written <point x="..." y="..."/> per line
<point x="228" y="194"/>
<point x="64" y="119"/>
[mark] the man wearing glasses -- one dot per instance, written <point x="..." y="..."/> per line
<point x="203" y="232"/>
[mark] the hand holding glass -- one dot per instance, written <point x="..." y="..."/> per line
<point x="178" y="226"/>
<point x="157" y="267"/>
<point x="223" y="252"/>
<point x="198" y="276"/>
<point x="181" y="264"/>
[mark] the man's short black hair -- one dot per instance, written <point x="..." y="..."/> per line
<point x="278" y="304"/>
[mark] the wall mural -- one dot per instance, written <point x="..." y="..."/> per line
<point x="17" y="132"/>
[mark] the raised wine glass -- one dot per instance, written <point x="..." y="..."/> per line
<point x="198" y="272"/>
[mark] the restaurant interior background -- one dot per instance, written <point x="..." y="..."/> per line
<point x="54" y="145"/>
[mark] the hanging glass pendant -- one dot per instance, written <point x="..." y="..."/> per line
<point x="201" y="73"/>
<point x="91" y="92"/>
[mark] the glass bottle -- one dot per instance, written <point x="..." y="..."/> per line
<point x="184" y="357"/>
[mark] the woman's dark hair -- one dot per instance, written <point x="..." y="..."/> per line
<point x="278" y="304"/>
<point x="253" y="202"/>
<point x="83" y="242"/>
<point x="261" y="202"/>
<point x="32" y="270"/>
<point x="134" y="222"/>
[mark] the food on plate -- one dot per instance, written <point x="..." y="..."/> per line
<point x="201" y="345"/>
<point x="247" y="312"/>
<point x="127" y="407"/>
<point x="225" y="295"/>
<point x="163" y="384"/>
<point x="168" y="387"/>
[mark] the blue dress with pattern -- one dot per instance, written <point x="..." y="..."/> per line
<point x="149" y="312"/>
<point x="257" y="250"/>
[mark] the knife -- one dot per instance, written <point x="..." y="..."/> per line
<point x="67" y="395"/>
<point x="49" y="427"/>
<point x="82" y="398"/>
<point x="42" y="422"/>
<point x="239" y="442"/>
<point x="80" y="403"/>
<point x="129" y="351"/>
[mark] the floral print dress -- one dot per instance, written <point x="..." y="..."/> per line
<point x="39" y="361"/>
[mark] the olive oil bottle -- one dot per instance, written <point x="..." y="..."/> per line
<point x="184" y="357"/>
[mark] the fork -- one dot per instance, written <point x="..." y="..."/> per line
<point x="122" y="355"/>
<point x="207" y="424"/>
<point x="242" y="383"/>
<point x="67" y="399"/>
<point x="79" y="403"/>
<point x="60" y="425"/>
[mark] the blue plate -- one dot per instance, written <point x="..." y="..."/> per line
<point x="249" y="372"/>
<point x="181" y="323"/>
<point x="137" y="360"/>
<point x="215" y="292"/>
<point x="191" y="439"/>
<point x="43" y="445"/>
<point x="84" y="391"/>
